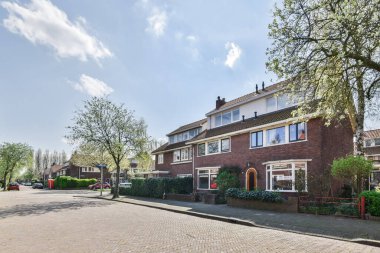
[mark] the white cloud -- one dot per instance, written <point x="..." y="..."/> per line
<point x="192" y="38"/>
<point x="157" y="22"/>
<point x="43" y="23"/>
<point x="92" y="86"/>
<point x="234" y="53"/>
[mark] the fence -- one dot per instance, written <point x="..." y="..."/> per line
<point x="349" y="207"/>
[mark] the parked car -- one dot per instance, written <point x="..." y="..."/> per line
<point x="125" y="185"/>
<point x="38" y="186"/>
<point x="28" y="184"/>
<point x="13" y="186"/>
<point x="97" y="186"/>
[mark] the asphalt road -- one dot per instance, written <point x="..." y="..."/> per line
<point x="56" y="221"/>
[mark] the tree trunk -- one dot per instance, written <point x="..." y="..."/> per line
<point x="360" y="118"/>
<point x="116" y="188"/>
<point x="5" y="181"/>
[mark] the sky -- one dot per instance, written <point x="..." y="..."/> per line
<point x="165" y="60"/>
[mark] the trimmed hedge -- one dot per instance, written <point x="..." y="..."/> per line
<point x="155" y="187"/>
<point x="67" y="182"/>
<point x="264" y="196"/>
<point x="372" y="202"/>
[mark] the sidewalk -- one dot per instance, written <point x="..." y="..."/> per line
<point x="319" y="225"/>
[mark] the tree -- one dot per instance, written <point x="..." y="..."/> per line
<point x="63" y="157"/>
<point x="112" y="127"/>
<point x="329" y="50"/>
<point x="353" y="169"/>
<point x="14" y="156"/>
<point x="38" y="164"/>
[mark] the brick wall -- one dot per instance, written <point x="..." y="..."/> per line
<point x="175" y="169"/>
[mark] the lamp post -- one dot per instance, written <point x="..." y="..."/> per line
<point x="101" y="167"/>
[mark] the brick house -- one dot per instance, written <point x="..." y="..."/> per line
<point x="372" y="152"/>
<point x="257" y="133"/>
<point x="81" y="172"/>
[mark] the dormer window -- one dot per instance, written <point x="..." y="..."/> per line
<point x="184" y="136"/>
<point x="226" y="118"/>
<point x="277" y="102"/>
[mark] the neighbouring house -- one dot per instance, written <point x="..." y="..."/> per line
<point x="52" y="171"/>
<point x="83" y="172"/>
<point x="372" y="152"/>
<point x="258" y="133"/>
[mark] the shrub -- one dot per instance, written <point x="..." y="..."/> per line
<point x="372" y="203"/>
<point x="352" y="169"/>
<point x="155" y="187"/>
<point x="264" y="196"/>
<point x="67" y="182"/>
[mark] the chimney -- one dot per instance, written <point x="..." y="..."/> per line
<point x="255" y="115"/>
<point x="219" y="102"/>
<point x="257" y="89"/>
<point x="263" y="85"/>
<point x="243" y="118"/>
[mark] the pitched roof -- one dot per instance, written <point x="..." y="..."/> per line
<point x="248" y="123"/>
<point x="167" y="147"/>
<point x="372" y="134"/>
<point x="250" y="96"/>
<point x="188" y="126"/>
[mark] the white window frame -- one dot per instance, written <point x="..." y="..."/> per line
<point x="160" y="159"/>
<point x="184" y="175"/>
<point x="216" y="123"/>
<point x="293" y="170"/>
<point x="176" y="158"/>
<point x="219" y="147"/>
<point x="183" y="157"/>
<point x="209" y="176"/>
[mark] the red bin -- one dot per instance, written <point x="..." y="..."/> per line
<point x="51" y="183"/>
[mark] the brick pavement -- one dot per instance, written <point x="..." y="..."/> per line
<point x="341" y="227"/>
<point x="55" y="221"/>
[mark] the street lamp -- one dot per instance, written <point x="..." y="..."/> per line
<point x="101" y="167"/>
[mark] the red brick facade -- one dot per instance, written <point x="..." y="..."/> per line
<point x="322" y="146"/>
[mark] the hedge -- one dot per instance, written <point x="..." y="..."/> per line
<point x="67" y="182"/>
<point x="254" y="195"/>
<point x="372" y="202"/>
<point x="155" y="187"/>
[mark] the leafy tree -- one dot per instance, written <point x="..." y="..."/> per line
<point x="329" y="50"/>
<point x="38" y="166"/>
<point x="112" y="127"/>
<point x="353" y="169"/>
<point x="14" y="156"/>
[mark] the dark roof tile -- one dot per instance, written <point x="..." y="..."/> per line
<point x="188" y="126"/>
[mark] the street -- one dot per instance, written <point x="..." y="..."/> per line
<point x="56" y="221"/>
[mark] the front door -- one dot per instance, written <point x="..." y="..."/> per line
<point x="251" y="179"/>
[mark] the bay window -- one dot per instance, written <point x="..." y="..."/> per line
<point x="286" y="177"/>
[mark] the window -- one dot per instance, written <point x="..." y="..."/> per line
<point x="160" y="158"/>
<point x="287" y="177"/>
<point x="257" y="139"/>
<point x="225" y="144"/>
<point x="184" y="154"/>
<point x="271" y="104"/>
<point x="171" y="139"/>
<point x="201" y="149"/>
<point x="227" y="117"/>
<point x="297" y="132"/>
<point x="177" y="156"/>
<point x="282" y="101"/>
<point x="377" y="141"/>
<point x="190" y="153"/>
<point x="213" y="147"/>
<point x="276" y="136"/>
<point x="207" y="179"/>
<point x="218" y="120"/>
<point x="184" y="136"/>
<point x="235" y="115"/>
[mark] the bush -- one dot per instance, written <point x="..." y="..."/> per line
<point x="67" y="182"/>
<point x="264" y="196"/>
<point x="372" y="202"/>
<point x="155" y="187"/>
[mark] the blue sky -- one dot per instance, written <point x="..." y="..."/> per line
<point x="166" y="60"/>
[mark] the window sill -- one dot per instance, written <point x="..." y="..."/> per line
<point x="181" y="162"/>
<point x="274" y="145"/>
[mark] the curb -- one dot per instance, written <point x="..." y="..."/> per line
<point x="368" y="242"/>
